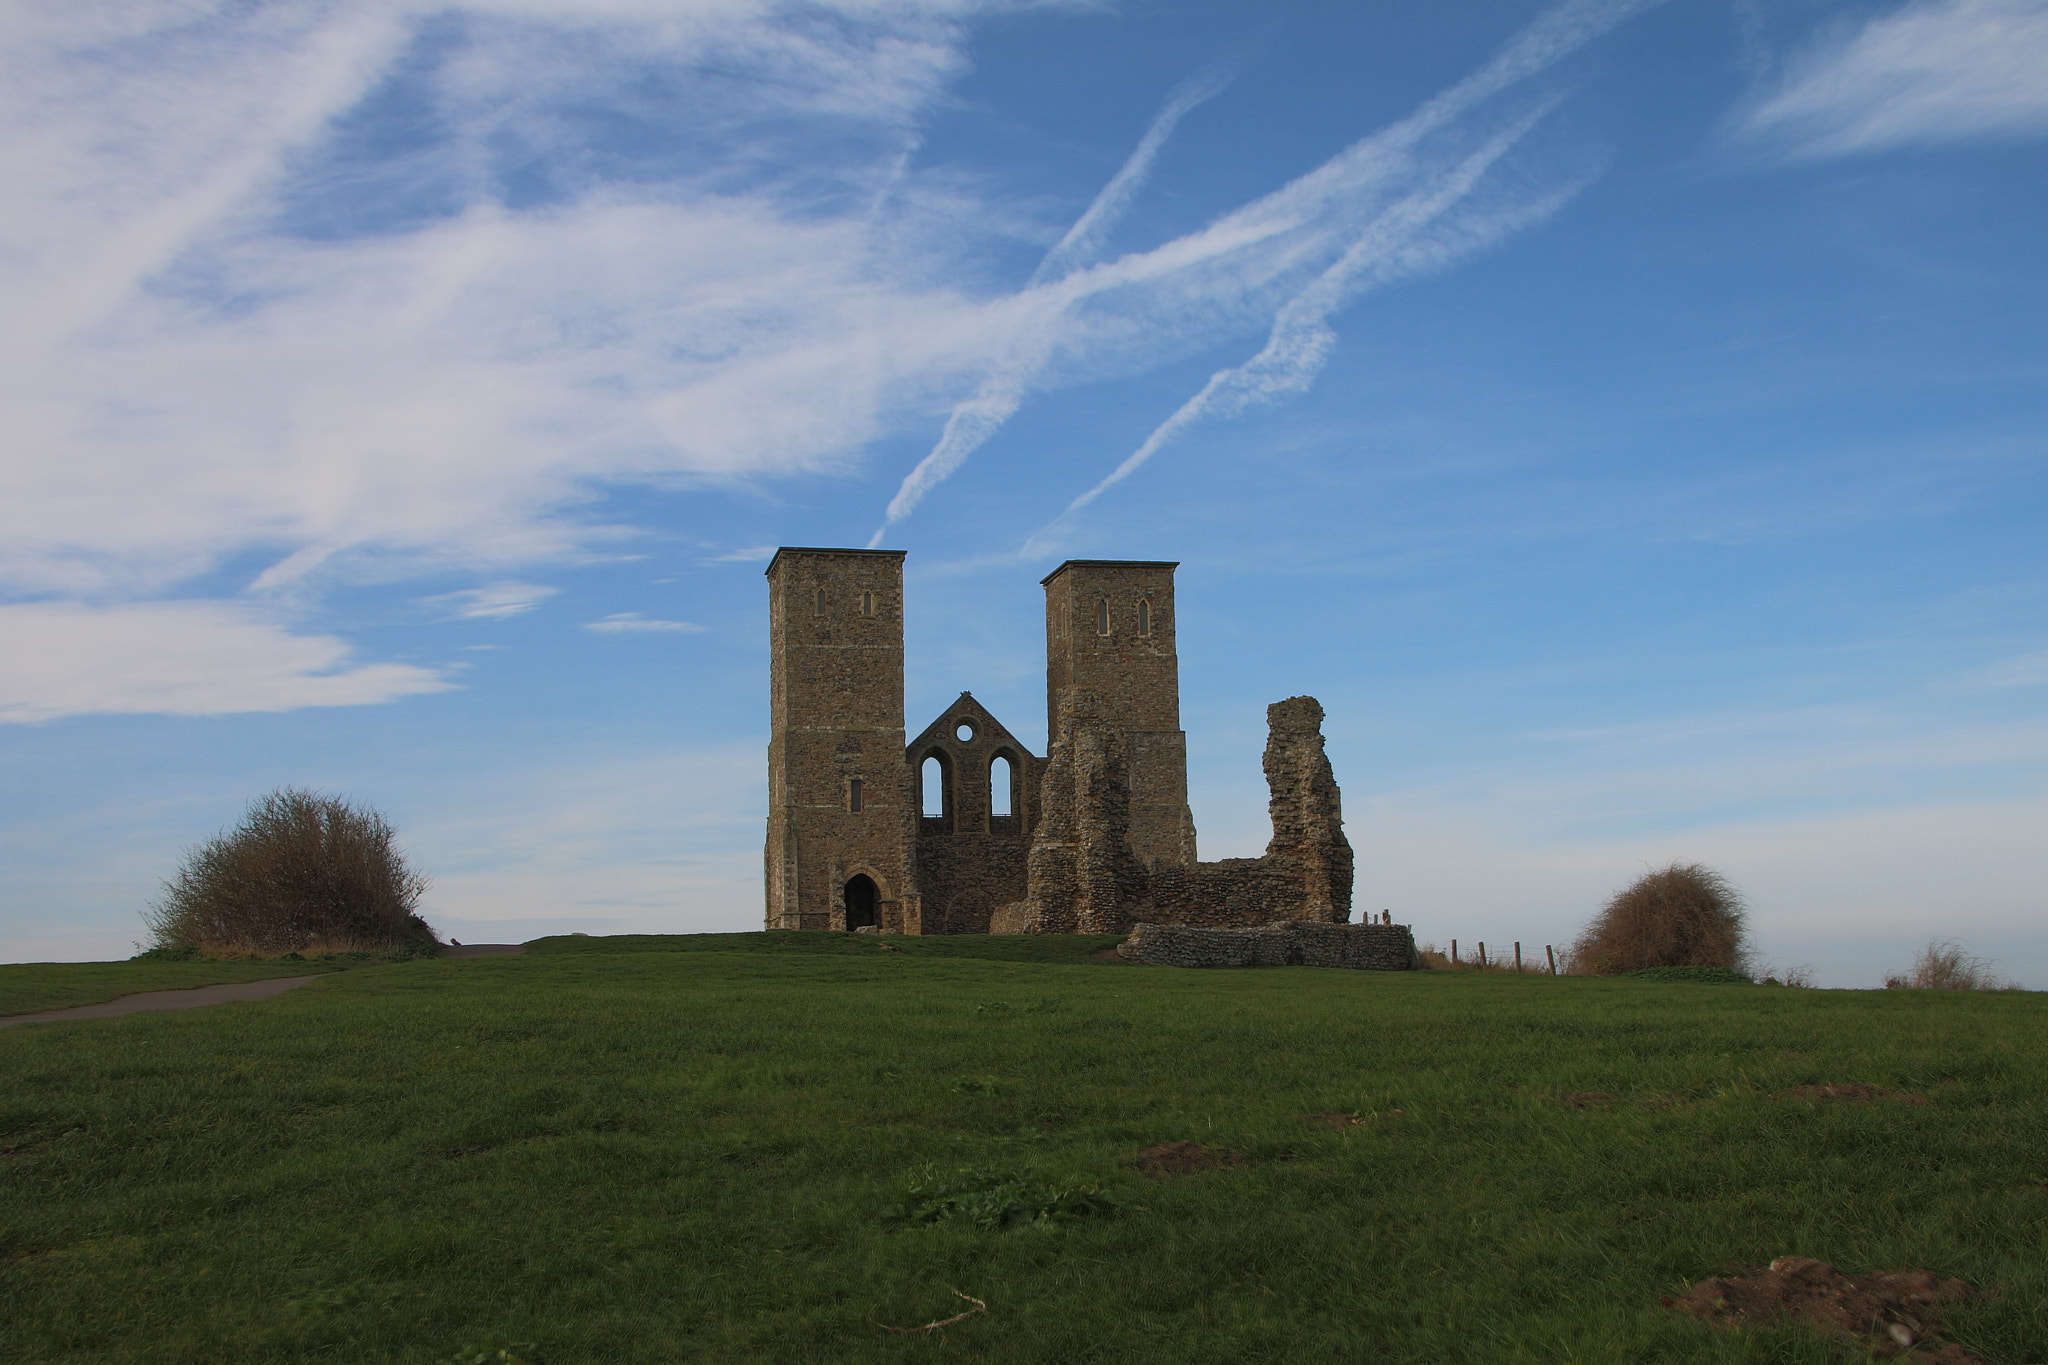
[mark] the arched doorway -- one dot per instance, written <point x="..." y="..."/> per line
<point x="863" y="902"/>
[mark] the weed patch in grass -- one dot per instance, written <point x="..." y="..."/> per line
<point x="996" y="1201"/>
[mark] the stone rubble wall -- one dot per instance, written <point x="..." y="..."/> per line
<point x="1295" y="943"/>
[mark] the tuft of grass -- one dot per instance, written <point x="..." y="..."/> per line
<point x="686" y="1153"/>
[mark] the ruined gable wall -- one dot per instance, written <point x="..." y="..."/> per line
<point x="970" y="860"/>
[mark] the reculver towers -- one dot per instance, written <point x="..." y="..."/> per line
<point x="1091" y="838"/>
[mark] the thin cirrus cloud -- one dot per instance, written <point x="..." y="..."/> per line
<point x="1936" y="71"/>
<point x="1398" y="202"/>
<point x="632" y="622"/>
<point x="186" y="658"/>
<point x="494" y="601"/>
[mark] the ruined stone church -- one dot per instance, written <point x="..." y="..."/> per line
<point x="964" y="830"/>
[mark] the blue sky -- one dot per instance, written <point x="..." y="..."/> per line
<point x="1626" y="417"/>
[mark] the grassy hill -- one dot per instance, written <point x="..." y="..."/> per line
<point x="759" y="1147"/>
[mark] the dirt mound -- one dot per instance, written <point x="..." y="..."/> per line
<point x="1896" y="1315"/>
<point x="1850" y="1092"/>
<point x="1184" y="1158"/>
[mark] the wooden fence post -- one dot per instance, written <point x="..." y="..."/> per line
<point x="1553" y="959"/>
<point x="1518" y="955"/>
<point x="1482" y="954"/>
<point x="1454" y="952"/>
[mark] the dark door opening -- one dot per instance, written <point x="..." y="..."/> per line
<point x="863" y="902"/>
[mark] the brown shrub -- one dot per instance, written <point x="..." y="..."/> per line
<point x="1684" y="915"/>
<point x="301" y="871"/>
<point x="1944" y="966"/>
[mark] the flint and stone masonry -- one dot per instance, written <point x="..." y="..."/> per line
<point x="965" y="831"/>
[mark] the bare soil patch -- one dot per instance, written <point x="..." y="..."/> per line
<point x="1585" y="1099"/>
<point x="1185" y="1158"/>
<point x="1109" y="955"/>
<point x="1855" y="1093"/>
<point x="1896" y="1315"/>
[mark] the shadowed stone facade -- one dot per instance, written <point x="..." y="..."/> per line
<point x="840" y="804"/>
<point x="1094" y="838"/>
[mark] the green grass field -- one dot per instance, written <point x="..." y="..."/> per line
<point x="688" y="1150"/>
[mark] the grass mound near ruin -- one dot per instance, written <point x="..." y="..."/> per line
<point x="707" y="1153"/>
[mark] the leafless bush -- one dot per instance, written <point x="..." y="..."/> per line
<point x="301" y="871"/>
<point x="1684" y="915"/>
<point x="1943" y="965"/>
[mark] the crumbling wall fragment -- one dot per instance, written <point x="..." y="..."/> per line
<point x="1083" y="877"/>
<point x="1295" y="943"/>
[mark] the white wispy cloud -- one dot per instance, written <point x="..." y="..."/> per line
<point x="626" y="622"/>
<point x="752" y="554"/>
<point x="1935" y="71"/>
<point x="2027" y="670"/>
<point x="495" y="601"/>
<point x="242" y="327"/>
<point x="189" y="658"/>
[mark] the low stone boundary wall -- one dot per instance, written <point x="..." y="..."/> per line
<point x="1288" y="943"/>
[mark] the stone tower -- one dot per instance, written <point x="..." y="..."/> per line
<point x="1109" y="632"/>
<point x="841" y="809"/>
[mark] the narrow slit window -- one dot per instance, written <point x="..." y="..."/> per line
<point x="932" y="781"/>
<point x="853" y="796"/>
<point x="1102" y="616"/>
<point x="867" y="604"/>
<point x="1144" y="616"/>
<point x="1002" y="776"/>
<point x="818" y="603"/>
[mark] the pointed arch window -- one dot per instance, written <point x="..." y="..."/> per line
<point x="818" y="602"/>
<point x="932" y="787"/>
<point x="867" y="604"/>
<point x="854" y="795"/>
<point x="1102" y="616"/>
<point x="1144" y="616"/>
